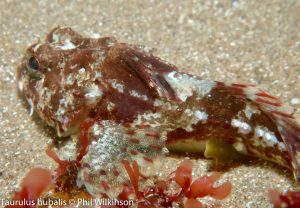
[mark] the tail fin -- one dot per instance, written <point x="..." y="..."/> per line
<point x="290" y="132"/>
<point x="287" y="125"/>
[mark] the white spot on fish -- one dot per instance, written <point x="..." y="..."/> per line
<point x="268" y="137"/>
<point x="281" y="146"/>
<point x="243" y="127"/>
<point x="249" y="111"/>
<point x="185" y="85"/>
<point x="193" y="117"/>
<point x="67" y="100"/>
<point x="59" y="113"/>
<point x="240" y="147"/>
<point x="94" y="93"/>
<point x="73" y="66"/>
<point x="201" y="115"/>
<point x="98" y="75"/>
<point x="136" y="94"/>
<point x="70" y="80"/>
<point x="96" y="130"/>
<point x="118" y="86"/>
<point x="81" y="70"/>
<point x="110" y="106"/>
<point x="55" y="38"/>
<point x="68" y="45"/>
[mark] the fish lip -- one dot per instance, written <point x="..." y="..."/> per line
<point x="20" y="76"/>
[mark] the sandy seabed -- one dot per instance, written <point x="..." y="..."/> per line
<point x="255" y="42"/>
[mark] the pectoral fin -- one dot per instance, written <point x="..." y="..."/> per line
<point x="112" y="149"/>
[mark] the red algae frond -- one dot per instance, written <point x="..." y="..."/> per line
<point x="190" y="190"/>
<point x="290" y="199"/>
<point x="37" y="181"/>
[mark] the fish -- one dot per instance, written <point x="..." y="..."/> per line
<point x="122" y="104"/>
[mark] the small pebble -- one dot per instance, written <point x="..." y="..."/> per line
<point x="295" y="101"/>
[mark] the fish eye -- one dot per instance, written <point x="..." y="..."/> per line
<point x="33" y="63"/>
<point x="34" y="68"/>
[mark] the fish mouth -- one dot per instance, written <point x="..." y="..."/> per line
<point x="20" y="76"/>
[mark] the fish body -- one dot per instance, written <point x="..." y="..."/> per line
<point x="139" y="108"/>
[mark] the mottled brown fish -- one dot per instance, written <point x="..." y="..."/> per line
<point x="139" y="107"/>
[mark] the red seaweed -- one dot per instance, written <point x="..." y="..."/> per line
<point x="156" y="196"/>
<point x="290" y="199"/>
<point x="62" y="164"/>
<point x="33" y="185"/>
